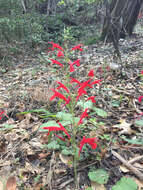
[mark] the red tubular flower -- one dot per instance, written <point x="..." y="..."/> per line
<point x="68" y="101"/>
<point x="56" y="62"/>
<point x="78" y="47"/>
<point x="55" y="128"/>
<point x="84" y="114"/>
<point x="60" y="54"/>
<point x="142" y="72"/>
<point x="63" y="139"/>
<point x="54" y="45"/>
<point x="92" y="98"/>
<point x="140" y="98"/>
<point x="96" y="82"/>
<point x="72" y="69"/>
<point x="1" y="114"/>
<point x="74" y="80"/>
<point x="80" y="94"/>
<point x="58" y="95"/>
<point x="83" y="85"/>
<point x="62" y="86"/>
<point x="90" y="141"/>
<point x="91" y="73"/>
<point x="77" y="63"/>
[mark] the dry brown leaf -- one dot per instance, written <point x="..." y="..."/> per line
<point x="11" y="183"/>
<point x="124" y="169"/>
<point x="97" y="186"/>
<point x="139" y="183"/>
<point x="125" y="127"/>
<point x="65" y="159"/>
<point x="43" y="155"/>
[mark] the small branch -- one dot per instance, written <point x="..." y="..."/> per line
<point x="135" y="159"/>
<point x="128" y="165"/>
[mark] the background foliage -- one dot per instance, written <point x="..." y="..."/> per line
<point x="43" y="20"/>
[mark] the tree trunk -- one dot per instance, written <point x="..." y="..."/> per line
<point x="121" y="17"/>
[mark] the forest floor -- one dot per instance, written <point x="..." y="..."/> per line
<point x="25" y="86"/>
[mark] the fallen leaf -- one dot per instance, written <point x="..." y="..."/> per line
<point x="97" y="186"/>
<point x="124" y="127"/>
<point x="11" y="183"/>
<point x="66" y="159"/>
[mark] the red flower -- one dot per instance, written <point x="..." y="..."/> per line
<point x="96" y="82"/>
<point x="142" y="72"/>
<point x="68" y="101"/>
<point x="72" y="69"/>
<point x="78" y="47"/>
<point x="90" y="141"/>
<point x="1" y="114"/>
<point x="82" y="87"/>
<point x="56" y="62"/>
<point x="77" y="62"/>
<point x="60" y="54"/>
<point x="74" y="80"/>
<point x="55" y="128"/>
<point x="92" y="98"/>
<point x="84" y="114"/>
<point x="58" y="95"/>
<point x="91" y="73"/>
<point x="140" y="98"/>
<point x="62" y="86"/>
<point x="56" y="46"/>
<point x="63" y="139"/>
<point x="74" y="63"/>
<point x="80" y="94"/>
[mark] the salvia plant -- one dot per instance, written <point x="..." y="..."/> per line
<point x="69" y="92"/>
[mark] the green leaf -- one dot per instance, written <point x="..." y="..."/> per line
<point x="89" y="188"/>
<point x="64" y="116"/>
<point x="126" y="184"/>
<point x="100" y="112"/>
<point x="36" y="111"/>
<point x="6" y="126"/>
<point x="99" y="176"/>
<point x="84" y="105"/>
<point x="67" y="117"/>
<point x="134" y="141"/>
<point x="139" y="122"/>
<point x="53" y="145"/>
<point x="115" y="103"/>
<point x="67" y="152"/>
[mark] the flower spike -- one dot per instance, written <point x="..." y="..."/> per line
<point x="90" y="141"/>
<point x="58" y="95"/>
<point x="56" y="46"/>
<point x="62" y="86"/>
<point x="78" y="47"/>
<point x="84" y="114"/>
<point x="56" y="62"/>
<point x="92" y="98"/>
<point x="55" y="128"/>
<point x="60" y="54"/>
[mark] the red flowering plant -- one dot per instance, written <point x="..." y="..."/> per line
<point x="72" y="93"/>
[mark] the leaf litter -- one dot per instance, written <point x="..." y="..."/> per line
<point x="28" y="164"/>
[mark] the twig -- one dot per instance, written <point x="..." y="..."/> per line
<point x="128" y="165"/>
<point x="65" y="183"/>
<point x="135" y="159"/>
